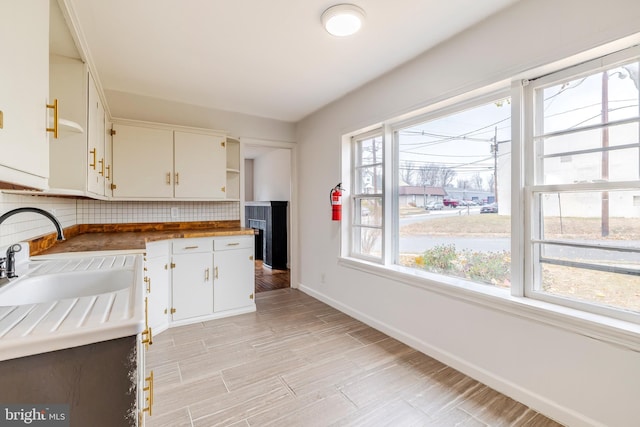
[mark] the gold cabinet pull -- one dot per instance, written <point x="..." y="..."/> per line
<point x="206" y="275"/>
<point x="147" y="280"/>
<point x="101" y="161"/>
<point x="216" y="276"/>
<point x="149" y="398"/>
<point x="177" y="178"/>
<point x="54" y="129"/>
<point x="93" y="165"/>
<point x="233" y="244"/>
<point x="108" y="172"/>
<point x="168" y="178"/>
<point x="147" y="334"/>
<point x="191" y="247"/>
<point x="223" y="189"/>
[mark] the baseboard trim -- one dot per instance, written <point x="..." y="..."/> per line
<point x="535" y="401"/>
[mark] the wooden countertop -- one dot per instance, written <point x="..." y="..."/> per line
<point x="105" y="237"/>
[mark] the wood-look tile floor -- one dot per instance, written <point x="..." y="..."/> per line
<point x="298" y="362"/>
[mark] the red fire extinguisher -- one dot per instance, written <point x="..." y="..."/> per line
<point x="336" y="202"/>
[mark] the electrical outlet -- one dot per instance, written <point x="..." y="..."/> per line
<point x="174" y="212"/>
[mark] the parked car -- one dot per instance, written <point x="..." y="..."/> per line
<point x="451" y="203"/>
<point x="434" y="206"/>
<point x="491" y="208"/>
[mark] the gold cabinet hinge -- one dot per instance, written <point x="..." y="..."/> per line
<point x="173" y="310"/>
<point x="112" y="132"/>
<point x="173" y="265"/>
<point x="251" y="296"/>
<point x="113" y="186"/>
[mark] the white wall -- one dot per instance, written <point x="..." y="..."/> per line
<point x="575" y="379"/>
<point x="272" y="176"/>
<point x="138" y="107"/>
<point x="248" y="180"/>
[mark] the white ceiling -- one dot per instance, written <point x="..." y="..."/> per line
<point x="268" y="58"/>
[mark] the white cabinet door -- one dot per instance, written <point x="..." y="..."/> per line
<point x="95" y="141"/>
<point x="142" y="162"/>
<point x="24" y="91"/>
<point x="108" y="158"/>
<point x="68" y="153"/>
<point x="192" y="285"/>
<point x="200" y="165"/>
<point x="157" y="284"/>
<point x="234" y="272"/>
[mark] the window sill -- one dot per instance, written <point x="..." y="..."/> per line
<point x="602" y="328"/>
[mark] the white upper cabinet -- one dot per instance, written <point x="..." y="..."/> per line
<point x="96" y="168"/>
<point x="24" y="90"/>
<point x="78" y="164"/>
<point x="200" y="166"/>
<point x="142" y="162"/>
<point x="159" y="162"/>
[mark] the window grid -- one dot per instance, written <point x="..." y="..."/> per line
<point x="367" y="218"/>
<point x="588" y="180"/>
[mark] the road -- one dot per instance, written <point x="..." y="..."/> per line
<point x="418" y="244"/>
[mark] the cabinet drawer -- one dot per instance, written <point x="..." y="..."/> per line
<point x="234" y="242"/>
<point x="185" y="246"/>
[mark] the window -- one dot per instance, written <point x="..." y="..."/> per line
<point x="437" y="202"/>
<point x="584" y="234"/>
<point x="367" y="191"/>
<point x="454" y="190"/>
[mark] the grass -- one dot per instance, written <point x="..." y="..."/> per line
<point x="609" y="289"/>
<point x="492" y="225"/>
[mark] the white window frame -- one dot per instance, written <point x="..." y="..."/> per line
<point x="622" y="332"/>
<point x="354" y="226"/>
<point x="526" y="110"/>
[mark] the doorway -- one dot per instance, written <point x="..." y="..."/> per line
<point x="269" y="171"/>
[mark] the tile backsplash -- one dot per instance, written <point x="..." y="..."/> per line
<point x="105" y="212"/>
<point x="26" y="226"/>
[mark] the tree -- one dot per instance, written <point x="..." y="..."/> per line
<point x="407" y="172"/>
<point x="476" y="182"/>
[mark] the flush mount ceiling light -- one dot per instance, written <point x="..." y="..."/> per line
<point x="343" y="19"/>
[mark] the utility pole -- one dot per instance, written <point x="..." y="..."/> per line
<point x="494" y="150"/>
<point x="605" y="152"/>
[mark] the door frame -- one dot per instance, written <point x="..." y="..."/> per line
<point x="293" y="199"/>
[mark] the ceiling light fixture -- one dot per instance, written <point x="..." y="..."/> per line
<point x="343" y="19"/>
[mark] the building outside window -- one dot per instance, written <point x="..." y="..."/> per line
<point x="465" y="152"/>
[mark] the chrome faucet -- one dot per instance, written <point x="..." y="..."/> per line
<point x="7" y="264"/>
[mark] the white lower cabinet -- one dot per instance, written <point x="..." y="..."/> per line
<point x="192" y="285"/>
<point x="157" y="281"/>
<point x="234" y="273"/>
<point x="195" y="279"/>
